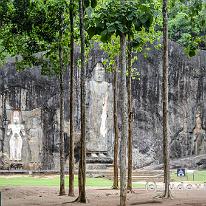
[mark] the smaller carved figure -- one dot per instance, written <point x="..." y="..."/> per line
<point x="16" y="132"/>
<point x="35" y="139"/>
<point x="199" y="137"/>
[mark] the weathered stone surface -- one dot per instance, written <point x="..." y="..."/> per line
<point x="187" y="95"/>
<point x="38" y="99"/>
<point x="30" y="93"/>
<point x="191" y="162"/>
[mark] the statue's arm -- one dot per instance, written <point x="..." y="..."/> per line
<point x="9" y="131"/>
<point x="23" y="132"/>
<point x="204" y="135"/>
<point x="194" y="137"/>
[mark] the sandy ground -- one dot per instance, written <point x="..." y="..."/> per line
<point x="45" y="196"/>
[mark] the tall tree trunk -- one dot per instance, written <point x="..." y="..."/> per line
<point x="82" y="161"/>
<point x="116" y="130"/>
<point x="71" y="145"/>
<point x="124" y="132"/>
<point x="129" y="86"/>
<point x="3" y="121"/>
<point x="62" y="185"/>
<point x="165" y="102"/>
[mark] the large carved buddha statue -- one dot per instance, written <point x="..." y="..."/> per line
<point x="99" y="115"/>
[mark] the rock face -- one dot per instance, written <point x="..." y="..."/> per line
<point x="31" y="94"/>
<point x="37" y="98"/>
<point x="187" y="96"/>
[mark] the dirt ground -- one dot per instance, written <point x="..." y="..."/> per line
<point x="46" y="196"/>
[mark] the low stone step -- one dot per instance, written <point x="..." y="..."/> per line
<point x="98" y="166"/>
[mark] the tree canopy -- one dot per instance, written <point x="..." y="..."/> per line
<point x="187" y="24"/>
<point x="116" y="18"/>
<point x="27" y="27"/>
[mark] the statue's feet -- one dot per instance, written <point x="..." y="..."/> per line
<point x="101" y="155"/>
<point x="94" y="155"/>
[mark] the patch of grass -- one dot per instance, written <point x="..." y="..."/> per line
<point x="138" y="186"/>
<point x="27" y="180"/>
<point x="49" y="181"/>
<point x="198" y="176"/>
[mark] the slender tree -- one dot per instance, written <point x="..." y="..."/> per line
<point x="116" y="129"/>
<point x="167" y="193"/>
<point x="124" y="119"/>
<point x="3" y="120"/>
<point x="129" y="91"/>
<point x="82" y="161"/>
<point x="71" y="145"/>
<point x="62" y="182"/>
<point x="124" y="110"/>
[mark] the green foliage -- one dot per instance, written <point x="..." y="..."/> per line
<point x="112" y="49"/>
<point x="47" y="17"/>
<point x="93" y="3"/>
<point x="32" y="31"/>
<point x="54" y="19"/>
<point x="187" y="24"/>
<point x="29" y="27"/>
<point x="4" y="11"/>
<point x="90" y="3"/>
<point x="120" y="17"/>
<point x="20" y="17"/>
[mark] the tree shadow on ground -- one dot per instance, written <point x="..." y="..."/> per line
<point x="106" y="189"/>
<point x="147" y="202"/>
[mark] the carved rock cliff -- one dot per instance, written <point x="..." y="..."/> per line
<point x="38" y="95"/>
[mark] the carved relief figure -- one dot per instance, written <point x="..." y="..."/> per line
<point x="16" y="132"/>
<point x="199" y="136"/>
<point x="180" y="142"/>
<point x="35" y="140"/>
<point x="99" y="103"/>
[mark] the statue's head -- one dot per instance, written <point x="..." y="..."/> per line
<point x="99" y="73"/>
<point x="35" y="122"/>
<point x="16" y="117"/>
<point x="198" y="114"/>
